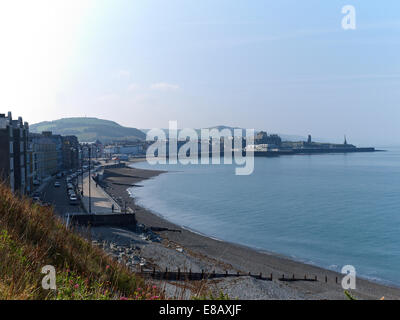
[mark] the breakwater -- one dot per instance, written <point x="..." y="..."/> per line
<point x="312" y="151"/>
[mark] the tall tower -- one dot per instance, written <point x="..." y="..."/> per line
<point x="345" y="140"/>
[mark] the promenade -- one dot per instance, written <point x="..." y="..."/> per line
<point x="101" y="202"/>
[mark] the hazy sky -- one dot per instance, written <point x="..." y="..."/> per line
<point x="285" y="66"/>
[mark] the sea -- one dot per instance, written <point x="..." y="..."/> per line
<point x="328" y="210"/>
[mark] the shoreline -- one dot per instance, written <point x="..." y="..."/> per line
<point x="239" y="257"/>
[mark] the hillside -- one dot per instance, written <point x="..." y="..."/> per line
<point x="89" y="129"/>
<point x="32" y="237"/>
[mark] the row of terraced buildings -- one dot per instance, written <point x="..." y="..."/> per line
<point x="27" y="159"/>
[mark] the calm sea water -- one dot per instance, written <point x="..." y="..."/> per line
<point x="328" y="210"/>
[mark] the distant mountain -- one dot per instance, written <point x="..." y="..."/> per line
<point x="89" y="129"/>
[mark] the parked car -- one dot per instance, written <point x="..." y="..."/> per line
<point x="36" y="182"/>
<point x="57" y="184"/>
<point x="71" y="192"/>
<point x="73" y="200"/>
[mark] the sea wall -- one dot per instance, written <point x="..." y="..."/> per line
<point x="126" y="220"/>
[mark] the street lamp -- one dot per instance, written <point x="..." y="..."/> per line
<point x="81" y="151"/>
<point x="90" y="178"/>
<point x="90" y="160"/>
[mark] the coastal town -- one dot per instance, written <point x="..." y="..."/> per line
<point x="29" y="159"/>
<point x="207" y="157"/>
<point x="87" y="184"/>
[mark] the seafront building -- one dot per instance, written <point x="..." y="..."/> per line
<point x="26" y="159"/>
<point x="44" y="156"/>
<point x="262" y="147"/>
<point x="53" y="154"/>
<point x="311" y="145"/>
<point x="29" y="165"/>
<point x="70" y="152"/>
<point x="263" y="138"/>
<point x="58" y="141"/>
<point x="14" y="165"/>
<point x="95" y="148"/>
<point x="128" y="149"/>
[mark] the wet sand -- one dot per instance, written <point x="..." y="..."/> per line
<point x="241" y="258"/>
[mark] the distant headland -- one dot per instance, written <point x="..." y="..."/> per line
<point x="273" y="145"/>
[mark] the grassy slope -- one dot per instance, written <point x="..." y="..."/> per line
<point x="89" y="129"/>
<point x="32" y="237"/>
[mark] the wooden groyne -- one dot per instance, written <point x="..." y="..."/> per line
<point x="178" y="275"/>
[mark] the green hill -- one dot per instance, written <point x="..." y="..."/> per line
<point x="89" y="129"/>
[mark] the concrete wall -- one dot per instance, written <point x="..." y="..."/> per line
<point x="119" y="220"/>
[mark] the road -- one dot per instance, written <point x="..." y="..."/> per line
<point x="58" y="197"/>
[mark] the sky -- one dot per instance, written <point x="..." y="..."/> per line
<point x="284" y="66"/>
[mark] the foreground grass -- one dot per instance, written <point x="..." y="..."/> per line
<point x="32" y="237"/>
